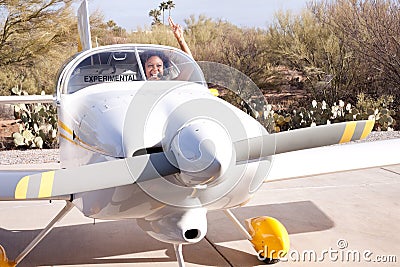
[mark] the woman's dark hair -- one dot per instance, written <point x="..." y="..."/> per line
<point x="151" y="53"/>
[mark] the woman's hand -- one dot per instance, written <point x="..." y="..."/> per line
<point x="178" y="33"/>
<point x="176" y="29"/>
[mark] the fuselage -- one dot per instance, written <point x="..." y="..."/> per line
<point x="108" y="112"/>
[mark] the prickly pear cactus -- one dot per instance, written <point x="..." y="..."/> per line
<point x="38" y="128"/>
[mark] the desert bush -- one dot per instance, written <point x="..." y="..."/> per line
<point x="369" y="30"/>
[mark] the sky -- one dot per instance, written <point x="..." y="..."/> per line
<point x="130" y="14"/>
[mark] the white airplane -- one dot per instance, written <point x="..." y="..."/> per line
<point x="162" y="152"/>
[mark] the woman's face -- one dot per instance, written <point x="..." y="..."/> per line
<point x="154" y="68"/>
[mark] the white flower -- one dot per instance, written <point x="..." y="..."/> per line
<point x="269" y="107"/>
<point x="348" y="107"/>
<point x="314" y="103"/>
<point x="371" y="117"/>
<point x="54" y="133"/>
<point x="341" y="103"/>
<point x="376" y="112"/>
<point x="323" y="104"/>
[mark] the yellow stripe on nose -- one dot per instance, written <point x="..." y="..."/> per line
<point x="369" y="125"/>
<point x="348" y="132"/>
<point x="22" y="188"/>
<point x="65" y="127"/>
<point x="46" y="184"/>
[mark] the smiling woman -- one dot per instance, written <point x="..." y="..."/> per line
<point x="128" y="63"/>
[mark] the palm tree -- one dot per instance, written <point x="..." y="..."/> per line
<point x="163" y="6"/>
<point x="155" y="13"/>
<point x="170" y="5"/>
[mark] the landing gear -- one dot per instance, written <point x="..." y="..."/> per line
<point x="268" y="236"/>
<point x="4" y="262"/>
<point x="179" y="255"/>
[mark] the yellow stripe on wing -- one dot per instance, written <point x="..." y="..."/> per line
<point x="369" y="125"/>
<point x="22" y="188"/>
<point x="46" y="184"/>
<point x="348" y="132"/>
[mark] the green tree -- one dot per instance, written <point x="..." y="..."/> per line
<point x="155" y="14"/>
<point x="170" y="5"/>
<point x="35" y="36"/>
<point x="163" y="6"/>
<point x="28" y="28"/>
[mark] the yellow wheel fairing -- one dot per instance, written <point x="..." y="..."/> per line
<point x="269" y="237"/>
<point x="214" y="92"/>
<point x="4" y="262"/>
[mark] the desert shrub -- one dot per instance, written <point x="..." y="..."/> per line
<point x="279" y="119"/>
<point x="320" y="113"/>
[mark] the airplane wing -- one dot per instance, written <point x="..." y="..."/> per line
<point x="330" y="159"/>
<point x="53" y="184"/>
<point x="305" y="138"/>
<point x="57" y="183"/>
<point x="26" y="99"/>
<point x="310" y="152"/>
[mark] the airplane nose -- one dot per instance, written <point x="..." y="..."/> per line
<point x="203" y="150"/>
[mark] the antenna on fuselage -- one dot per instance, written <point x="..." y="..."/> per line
<point x="85" y="38"/>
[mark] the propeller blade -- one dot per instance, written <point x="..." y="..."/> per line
<point x="268" y="145"/>
<point x="95" y="176"/>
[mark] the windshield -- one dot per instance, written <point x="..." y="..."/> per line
<point x="132" y="63"/>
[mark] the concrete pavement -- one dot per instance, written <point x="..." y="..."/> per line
<point x="347" y="218"/>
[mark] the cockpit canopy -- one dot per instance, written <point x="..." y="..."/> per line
<point x="124" y="63"/>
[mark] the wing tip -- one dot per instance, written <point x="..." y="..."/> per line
<point x="369" y="125"/>
<point x="21" y="189"/>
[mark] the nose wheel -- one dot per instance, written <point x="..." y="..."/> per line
<point x="267" y="235"/>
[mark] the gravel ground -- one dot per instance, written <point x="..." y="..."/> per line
<point x="30" y="156"/>
<point x="36" y="156"/>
